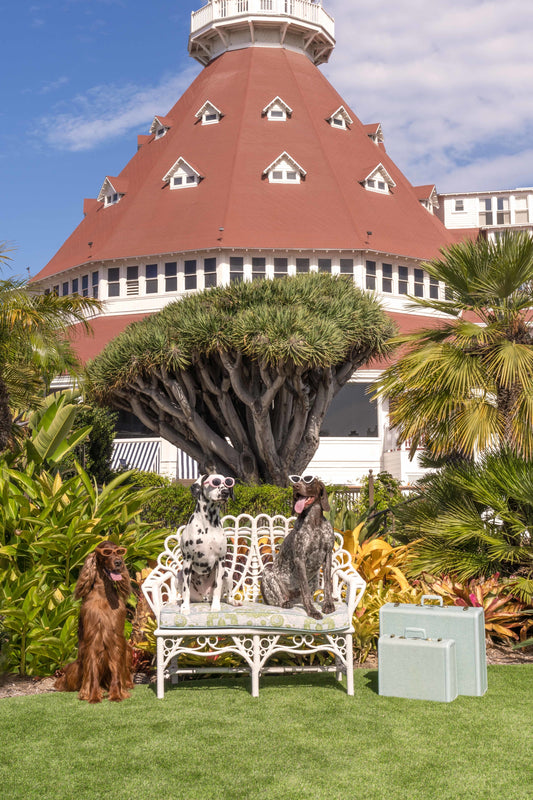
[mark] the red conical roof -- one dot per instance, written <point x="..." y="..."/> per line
<point x="328" y="209"/>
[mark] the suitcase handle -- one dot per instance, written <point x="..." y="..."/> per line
<point x="431" y="597"/>
<point x="415" y="633"/>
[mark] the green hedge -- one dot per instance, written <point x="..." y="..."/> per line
<point x="173" y="504"/>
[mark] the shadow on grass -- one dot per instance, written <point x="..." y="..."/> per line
<point x="372" y="682"/>
<point x="242" y="683"/>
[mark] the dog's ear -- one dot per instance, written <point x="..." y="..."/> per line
<point x="196" y="487"/>
<point x="87" y="577"/>
<point x="324" y="502"/>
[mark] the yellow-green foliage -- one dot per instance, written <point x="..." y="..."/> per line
<point x="366" y="617"/>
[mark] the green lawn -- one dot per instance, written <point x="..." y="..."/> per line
<point x="303" y="739"/>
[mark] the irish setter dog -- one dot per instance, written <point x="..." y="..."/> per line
<point x="104" y="657"/>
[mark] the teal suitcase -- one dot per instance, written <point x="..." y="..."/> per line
<point x="465" y="625"/>
<point x="418" y="669"/>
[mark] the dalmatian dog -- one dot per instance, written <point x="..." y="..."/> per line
<point x="203" y="545"/>
<point x="293" y="576"/>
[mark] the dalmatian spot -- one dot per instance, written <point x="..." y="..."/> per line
<point x="199" y="541"/>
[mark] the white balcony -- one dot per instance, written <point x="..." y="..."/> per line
<point x="219" y="18"/>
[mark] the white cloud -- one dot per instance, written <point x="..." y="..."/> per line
<point x="108" y="112"/>
<point x="449" y="81"/>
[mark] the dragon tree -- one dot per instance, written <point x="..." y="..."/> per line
<point x="241" y="377"/>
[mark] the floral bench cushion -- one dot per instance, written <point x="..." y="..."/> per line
<point x="253" y="615"/>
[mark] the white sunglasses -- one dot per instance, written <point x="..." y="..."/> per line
<point x="302" y="478"/>
<point x="216" y="482"/>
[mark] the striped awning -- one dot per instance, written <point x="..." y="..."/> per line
<point x="186" y="467"/>
<point x="143" y="454"/>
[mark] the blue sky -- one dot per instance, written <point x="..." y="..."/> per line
<point x="450" y="81"/>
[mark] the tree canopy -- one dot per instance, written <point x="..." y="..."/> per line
<point x="467" y="384"/>
<point x="240" y="377"/>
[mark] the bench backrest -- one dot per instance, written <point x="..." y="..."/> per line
<point x="252" y="544"/>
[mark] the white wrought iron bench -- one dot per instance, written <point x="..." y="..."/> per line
<point x="253" y="631"/>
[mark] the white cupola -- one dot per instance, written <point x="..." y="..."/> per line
<point x="300" y="25"/>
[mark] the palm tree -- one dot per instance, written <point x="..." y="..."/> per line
<point x="33" y="344"/>
<point x="468" y="384"/>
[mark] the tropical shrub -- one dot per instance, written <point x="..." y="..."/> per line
<point x="94" y="453"/>
<point x="473" y="520"/>
<point x="506" y="618"/>
<point x="372" y="514"/>
<point x="366" y="617"/>
<point x="172" y="503"/>
<point x="48" y="525"/>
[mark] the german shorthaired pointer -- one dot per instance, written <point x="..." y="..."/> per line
<point x="293" y="576"/>
<point x="203" y="545"/>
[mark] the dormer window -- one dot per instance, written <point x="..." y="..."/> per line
<point x="112" y="191"/>
<point x="284" y="170"/>
<point x="427" y="196"/>
<point x="374" y="132"/>
<point x="340" y="119"/>
<point x="277" y="110"/>
<point x="378" y="180"/>
<point x="182" y="175"/>
<point x="209" y="114"/>
<point x="159" y="127"/>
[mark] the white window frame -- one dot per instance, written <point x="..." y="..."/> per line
<point x="284" y="170"/>
<point x="277" y="110"/>
<point x="379" y="181"/>
<point x="182" y="175"/>
<point x="209" y="109"/>
<point x="340" y="119"/>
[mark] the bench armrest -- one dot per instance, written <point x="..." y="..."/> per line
<point x="355" y="587"/>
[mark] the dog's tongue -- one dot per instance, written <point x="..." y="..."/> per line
<point x="301" y="503"/>
<point x="116" y="576"/>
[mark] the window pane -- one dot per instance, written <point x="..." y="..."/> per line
<point x="371" y="275"/>
<point x="324" y="264"/>
<point x="302" y="265"/>
<point x="280" y="267"/>
<point x="190" y="274"/>
<point x="258" y="268"/>
<point x="236" y="268"/>
<point x="113" y="274"/>
<point x="347" y="266"/>
<point x="65" y="288"/>
<point x="351" y="413"/>
<point x="171" y="281"/>
<point x="75" y="285"/>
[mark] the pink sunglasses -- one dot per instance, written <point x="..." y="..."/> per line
<point x="214" y="481"/>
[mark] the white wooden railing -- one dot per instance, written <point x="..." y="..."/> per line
<point x="303" y="9"/>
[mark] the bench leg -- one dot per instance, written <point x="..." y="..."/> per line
<point x="349" y="665"/>
<point x="256" y="663"/>
<point x="160" y="668"/>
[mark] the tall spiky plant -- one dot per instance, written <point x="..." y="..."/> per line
<point x="241" y="377"/>
<point x="468" y="383"/>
